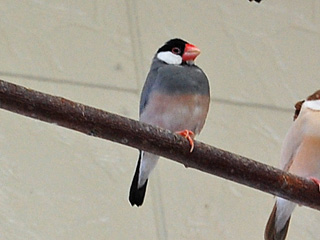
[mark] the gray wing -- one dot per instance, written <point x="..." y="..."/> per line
<point x="149" y="83"/>
<point x="146" y="90"/>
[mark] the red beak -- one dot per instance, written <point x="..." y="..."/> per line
<point x="190" y="52"/>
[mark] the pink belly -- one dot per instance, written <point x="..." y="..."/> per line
<point x="176" y="113"/>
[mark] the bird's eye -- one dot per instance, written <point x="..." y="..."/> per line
<point x="176" y="50"/>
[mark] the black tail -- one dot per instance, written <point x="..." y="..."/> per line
<point x="270" y="232"/>
<point x="136" y="195"/>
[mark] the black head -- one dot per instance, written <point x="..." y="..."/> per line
<point x="177" y="51"/>
<point x="175" y="46"/>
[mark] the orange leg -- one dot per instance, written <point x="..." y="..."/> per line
<point x="189" y="135"/>
<point x="316" y="181"/>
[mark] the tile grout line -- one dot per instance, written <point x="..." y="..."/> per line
<point x="135" y="91"/>
<point x="139" y="65"/>
<point x="135" y="36"/>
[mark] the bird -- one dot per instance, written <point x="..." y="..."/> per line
<point x="175" y="96"/>
<point x="301" y="156"/>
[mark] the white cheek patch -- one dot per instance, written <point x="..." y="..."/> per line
<point x="169" y="58"/>
<point x="313" y="104"/>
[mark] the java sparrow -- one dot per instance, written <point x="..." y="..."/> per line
<point x="300" y="156"/>
<point x="175" y="96"/>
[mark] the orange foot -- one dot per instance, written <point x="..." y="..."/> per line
<point x="316" y="181"/>
<point x="189" y="135"/>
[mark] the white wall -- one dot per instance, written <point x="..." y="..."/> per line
<point x="59" y="184"/>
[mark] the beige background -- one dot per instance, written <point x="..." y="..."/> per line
<point x="59" y="184"/>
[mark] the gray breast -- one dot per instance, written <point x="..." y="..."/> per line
<point x="182" y="79"/>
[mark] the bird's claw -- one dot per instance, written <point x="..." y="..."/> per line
<point x="189" y="135"/>
<point x="316" y="181"/>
